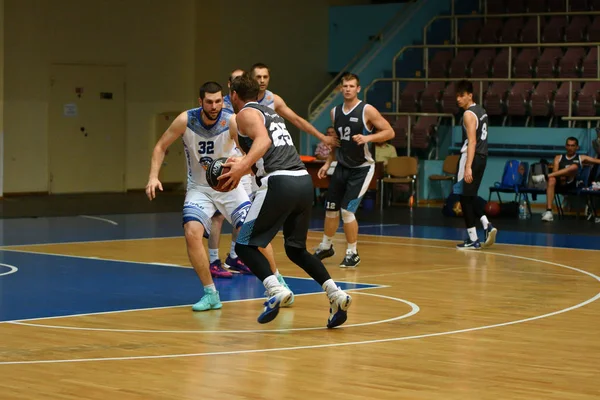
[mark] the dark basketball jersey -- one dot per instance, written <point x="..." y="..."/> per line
<point x="481" y="146"/>
<point x="281" y="155"/>
<point x="565" y="162"/>
<point x="351" y="154"/>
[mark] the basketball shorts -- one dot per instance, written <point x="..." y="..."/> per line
<point x="284" y="199"/>
<point x="202" y="202"/>
<point x="247" y="182"/>
<point x="565" y="184"/>
<point x="347" y="187"/>
<point x="478" y="168"/>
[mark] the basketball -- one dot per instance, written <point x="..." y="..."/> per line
<point x="492" y="208"/>
<point x="214" y="171"/>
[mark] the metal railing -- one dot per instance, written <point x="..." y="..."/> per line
<point x="479" y="81"/>
<point x="409" y="127"/>
<point x="494" y="46"/>
<point x="322" y="95"/>
<point x="588" y="119"/>
<point x="454" y="20"/>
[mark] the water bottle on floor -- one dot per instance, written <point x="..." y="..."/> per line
<point x="523" y="208"/>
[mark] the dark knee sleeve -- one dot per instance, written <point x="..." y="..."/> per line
<point x="467" y="204"/>
<point x="254" y="259"/>
<point x="309" y="263"/>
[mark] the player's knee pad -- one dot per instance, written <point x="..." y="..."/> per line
<point x="347" y="216"/>
<point x="332" y="214"/>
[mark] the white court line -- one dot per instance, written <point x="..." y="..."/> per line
<point x="414" y="310"/>
<point x="375" y="341"/>
<point x="110" y="221"/>
<point x="360" y="226"/>
<point x="156" y="263"/>
<point x="91" y="241"/>
<point x="11" y="269"/>
<point x="457" y="240"/>
<point x="178" y="306"/>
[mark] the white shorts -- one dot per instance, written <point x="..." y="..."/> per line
<point x="202" y="202"/>
<point x="246" y="183"/>
<point x="254" y="186"/>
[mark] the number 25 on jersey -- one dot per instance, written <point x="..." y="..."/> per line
<point x="280" y="135"/>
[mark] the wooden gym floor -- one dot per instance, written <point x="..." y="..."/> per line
<point x="99" y="307"/>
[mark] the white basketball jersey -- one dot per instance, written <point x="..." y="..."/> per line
<point x="268" y="100"/>
<point x="203" y="144"/>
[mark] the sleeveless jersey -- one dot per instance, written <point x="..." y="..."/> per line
<point x="347" y="124"/>
<point x="268" y="100"/>
<point x="227" y="103"/>
<point x="281" y="155"/>
<point x="203" y="144"/>
<point x="481" y="144"/>
<point x="566" y="162"/>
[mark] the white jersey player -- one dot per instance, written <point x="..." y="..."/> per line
<point x="205" y="134"/>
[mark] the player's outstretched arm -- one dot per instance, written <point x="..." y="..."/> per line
<point x="282" y="109"/>
<point x="175" y="131"/>
<point x="589" y="160"/>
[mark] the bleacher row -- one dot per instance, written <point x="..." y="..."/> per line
<point x="532" y="98"/>
<point x="539" y="6"/>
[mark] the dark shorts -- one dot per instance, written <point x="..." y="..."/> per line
<point x="282" y="201"/>
<point x="478" y="168"/>
<point x="347" y="186"/>
<point x="566" y="186"/>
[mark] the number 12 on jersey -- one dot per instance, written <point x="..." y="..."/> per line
<point x="344" y="132"/>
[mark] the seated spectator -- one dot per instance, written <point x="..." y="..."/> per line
<point x="322" y="151"/>
<point x="566" y="168"/>
<point x="383" y="152"/>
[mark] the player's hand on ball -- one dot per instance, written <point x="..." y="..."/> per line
<point x="360" y="139"/>
<point x="153" y="183"/>
<point x="236" y="171"/>
<point x="323" y="171"/>
<point x="468" y="175"/>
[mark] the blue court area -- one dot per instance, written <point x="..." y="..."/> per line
<point x="23" y="231"/>
<point x="53" y="285"/>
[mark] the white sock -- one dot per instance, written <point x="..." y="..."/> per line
<point x="213" y="255"/>
<point x="277" y="273"/>
<point x="232" y="252"/>
<point x="351" y="248"/>
<point x="330" y="287"/>
<point x="326" y="243"/>
<point x="472" y="234"/>
<point x="484" y="222"/>
<point x="271" y="283"/>
<point x="210" y="288"/>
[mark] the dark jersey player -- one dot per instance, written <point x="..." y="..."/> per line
<point x="471" y="167"/>
<point x="284" y="199"/>
<point x="356" y="124"/>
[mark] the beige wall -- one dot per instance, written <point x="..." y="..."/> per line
<point x="154" y="41"/>
<point x="168" y="48"/>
